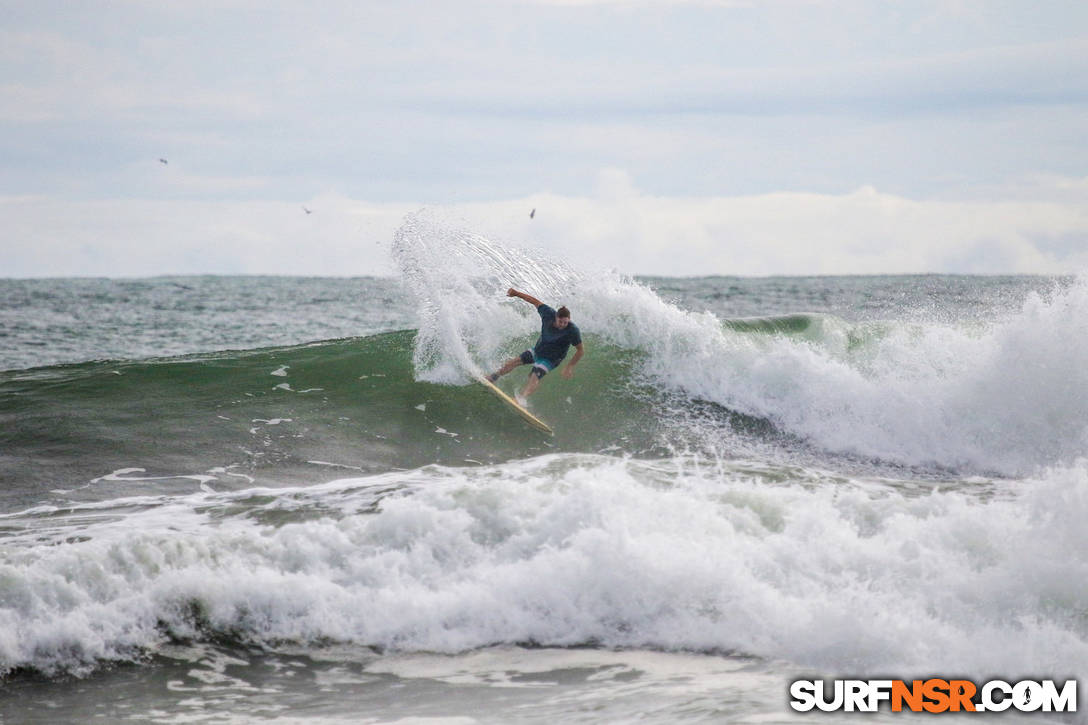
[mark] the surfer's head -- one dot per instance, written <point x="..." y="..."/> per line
<point x="562" y="317"/>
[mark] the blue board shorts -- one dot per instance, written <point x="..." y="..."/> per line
<point x="541" y="366"/>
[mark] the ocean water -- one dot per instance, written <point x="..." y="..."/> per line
<point x="238" y="499"/>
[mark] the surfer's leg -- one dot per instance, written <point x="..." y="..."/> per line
<point x="530" y="385"/>
<point x="526" y="358"/>
<point x="540" y="369"/>
<point x="507" y="367"/>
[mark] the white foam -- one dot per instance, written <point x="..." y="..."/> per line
<point x="563" y="549"/>
<point x="1008" y="398"/>
<point x="334" y="465"/>
<point x="125" y="474"/>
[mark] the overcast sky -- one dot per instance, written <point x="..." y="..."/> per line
<point x="667" y="137"/>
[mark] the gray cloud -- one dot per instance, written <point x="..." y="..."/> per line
<point x="398" y="105"/>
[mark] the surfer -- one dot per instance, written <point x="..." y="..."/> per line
<point x="557" y="334"/>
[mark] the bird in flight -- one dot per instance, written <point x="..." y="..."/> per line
<point x="308" y="211"/>
<point x="163" y="161"/>
<point x="532" y="213"/>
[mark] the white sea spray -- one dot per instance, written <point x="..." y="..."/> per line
<point x="797" y="565"/>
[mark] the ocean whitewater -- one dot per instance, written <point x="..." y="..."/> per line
<point x="242" y="499"/>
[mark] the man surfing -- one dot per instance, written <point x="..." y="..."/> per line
<point x="557" y="334"/>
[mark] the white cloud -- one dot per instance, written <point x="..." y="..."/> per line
<point x="862" y="232"/>
<point x="48" y="237"/>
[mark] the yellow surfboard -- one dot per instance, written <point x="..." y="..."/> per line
<point x="518" y="408"/>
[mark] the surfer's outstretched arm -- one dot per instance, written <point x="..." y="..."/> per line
<point x="528" y="298"/>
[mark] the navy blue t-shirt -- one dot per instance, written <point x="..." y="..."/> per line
<point x="554" y="343"/>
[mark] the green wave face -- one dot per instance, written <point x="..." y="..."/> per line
<point x="287" y="415"/>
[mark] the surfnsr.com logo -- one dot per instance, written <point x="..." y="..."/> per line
<point x="933" y="695"/>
